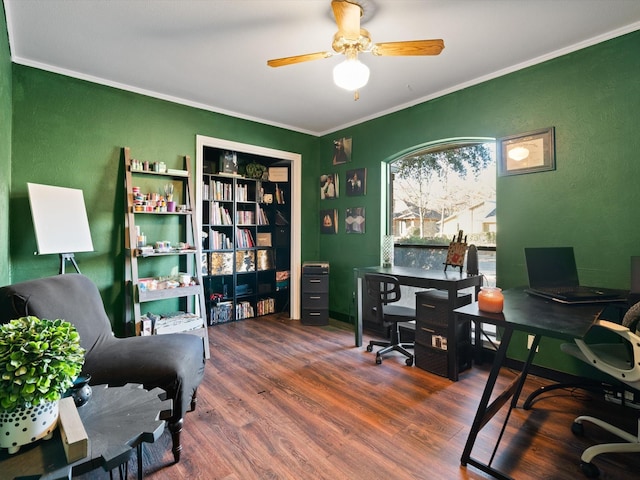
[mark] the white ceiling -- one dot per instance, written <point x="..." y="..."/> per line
<point x="212" y="54"/>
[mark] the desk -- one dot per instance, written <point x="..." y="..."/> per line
<point x="533" y="315"/>
<point x="116" y="419"/>
<point x="450" y="281"/>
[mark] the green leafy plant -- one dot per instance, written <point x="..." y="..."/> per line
<point x="39" y="360"/>
<point x="255" y="170"/>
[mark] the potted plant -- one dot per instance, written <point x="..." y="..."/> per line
<point x="39" y="361"/>
<point x="255" y="170"/>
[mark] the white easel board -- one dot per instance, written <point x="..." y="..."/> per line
<point x="59" y="219"/>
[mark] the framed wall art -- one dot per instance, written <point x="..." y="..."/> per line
<point x="341" y="151"/>
<point x="354" y="220"/>
<point x="329" y="186"/>
<point x="329" y="221"/>
<point x="356" y="182"/>
<point x="527" y="152"/>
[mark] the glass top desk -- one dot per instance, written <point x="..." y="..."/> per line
<point x="450" y="281"/>
<point x="536" y="316"/>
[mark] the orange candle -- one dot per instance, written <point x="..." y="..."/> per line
<point x="490" y="299"/>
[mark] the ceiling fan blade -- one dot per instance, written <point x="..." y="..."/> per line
<point x="348" y="18"/>
<point x="412" y="47"/>
<point x="281" y="62"/>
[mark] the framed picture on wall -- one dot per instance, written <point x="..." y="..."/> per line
<point x="354" y="220"/>
<point x="329" y="221"/>
<point x="356" y="182"/>
<point x="341" y="151"/>
<point x="527" y="152"/>
<point x="329" y="186"/>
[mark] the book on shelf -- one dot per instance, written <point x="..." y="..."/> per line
<point x="244" y="238"/>
<point x="221" y="312"/>
<point x="244" y="310"/>
<point x="220" y="263"/>
<point x="220" y="215"/>
<point x="245" y="217"/>
<point x="219" y="240"/>
<point x="220" y="191"/>
<point x="262" y="217"/>
<point x="245" y="261"/>
<point x="265" y="306"/>
<point x="264" y="259"/>
<point x="242" y="193"/>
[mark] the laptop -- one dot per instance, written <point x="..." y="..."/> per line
<point x="553" y="274"/>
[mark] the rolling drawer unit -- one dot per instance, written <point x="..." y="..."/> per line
<point x="315" y="294"/>
<point x="442" y="346"/>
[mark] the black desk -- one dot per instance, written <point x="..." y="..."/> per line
<point x="532" y="315"/>
<point x="450" y="281"/>
<point x="116" y="419"/>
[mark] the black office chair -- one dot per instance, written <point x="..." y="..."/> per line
<point x="383" y="291"/>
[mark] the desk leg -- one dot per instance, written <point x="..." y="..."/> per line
<point x="358" y="326"/>
<point x="485" y="411"/>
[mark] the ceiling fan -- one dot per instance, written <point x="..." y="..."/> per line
<point x="350" y="40"/>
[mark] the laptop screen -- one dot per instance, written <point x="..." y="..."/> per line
<point x="551" y="267"/>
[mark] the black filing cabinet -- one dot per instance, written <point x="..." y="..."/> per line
<point x="442" y="345"/>
<point x="315" y="293"/>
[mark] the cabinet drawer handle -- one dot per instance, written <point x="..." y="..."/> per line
<point x="314" y="298"/>
<point x="427" y="305"/>
<point x="314" y="314"/>
<point x="314" y="281"/>
<point x="428" y="330"/>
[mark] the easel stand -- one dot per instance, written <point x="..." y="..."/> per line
<point x="68" y="257"/>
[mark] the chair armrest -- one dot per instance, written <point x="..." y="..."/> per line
<point x="614" y="327"/>
<point x="610" y="358"/>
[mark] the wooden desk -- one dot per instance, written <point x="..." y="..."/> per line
<point x="535" y="316"/>
<point x="450" y="281"/>
<point x="116" y="419"/>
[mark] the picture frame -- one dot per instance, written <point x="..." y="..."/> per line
<point x="354" y="220"/>
<point x="528" y="152"/>
<point x="329" y="221"/>
<point x="329" y="186"/>
<point x="342" y="150"/>
<point x="356" y="182"/>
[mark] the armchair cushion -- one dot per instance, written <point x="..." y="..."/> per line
<point x="172" y="362"/>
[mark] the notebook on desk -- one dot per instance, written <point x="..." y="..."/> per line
<point x="553" y="274"/>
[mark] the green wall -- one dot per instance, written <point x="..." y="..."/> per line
<point x="69" y="132"/>
<point x="592" y="98"/>
<point x="5" y="147"/>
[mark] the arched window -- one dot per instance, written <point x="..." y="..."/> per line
<point x="438" y="189"/>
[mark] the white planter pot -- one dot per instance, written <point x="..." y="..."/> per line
<point x="26" y="425"/>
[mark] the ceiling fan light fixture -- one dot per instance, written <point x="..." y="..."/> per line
<point x="351" y="74"/>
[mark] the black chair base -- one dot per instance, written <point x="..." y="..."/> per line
<point x="391" y="347"/>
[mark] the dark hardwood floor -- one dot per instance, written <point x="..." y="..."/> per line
<point x="285" y="401"/>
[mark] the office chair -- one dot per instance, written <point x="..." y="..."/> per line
<point x="621" y="360"/>
<point x="384" y="290"/>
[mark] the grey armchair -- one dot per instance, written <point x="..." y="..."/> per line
<point x="175" y="362"/>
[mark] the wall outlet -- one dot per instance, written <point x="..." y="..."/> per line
<point x="530" y="342"/>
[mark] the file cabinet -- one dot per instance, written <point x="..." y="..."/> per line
<point x="314" y="293"/>
<point x="442" y="346"/>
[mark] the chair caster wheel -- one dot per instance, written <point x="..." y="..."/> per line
<point x="369" y="348"/>
<point x="589" y="469"/>
<point x="378" y="360"/>
<point x="409" y="361"/>
<point x="577" y="429"/>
